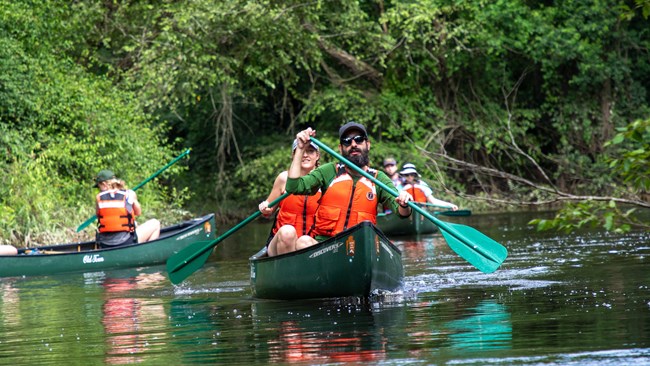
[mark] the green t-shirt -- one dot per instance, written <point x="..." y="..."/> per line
<point x="321" y="177"/>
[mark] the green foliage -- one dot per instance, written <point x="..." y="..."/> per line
<point x="589" y="214"/>
<point x="122" y="84"/>
<point x="60" y="126"/>
<point x="633" y="155"/>
<point x="631" y="171"/>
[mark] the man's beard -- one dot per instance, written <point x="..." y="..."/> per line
<point x="360" y="160"/>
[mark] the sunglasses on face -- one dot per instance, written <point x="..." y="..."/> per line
<point x="347" y="141"/>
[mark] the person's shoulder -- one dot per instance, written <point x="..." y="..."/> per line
<point x="381" y="175"/>
<point x="282" y="177"/>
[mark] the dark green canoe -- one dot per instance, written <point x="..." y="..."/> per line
<point x="358" y="262"/>
<point x="85" y="257"/>
<point x="416" y="224"/>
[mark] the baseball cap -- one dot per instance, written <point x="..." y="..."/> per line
<point x="351" y="125"/>
<point x="389" y="161"/>
<point x="103" y="176"/>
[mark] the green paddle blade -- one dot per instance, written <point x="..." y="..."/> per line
<point x="188" y="260"/>
<point x="475" y="247"/>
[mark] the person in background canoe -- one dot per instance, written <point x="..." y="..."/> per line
<point x="348" y="198"/>
<point x="8" y="250"/>
<point x="390" y="168"/>
<point x="296" y="212"/>
<point x="117" y="209"/>
<point x="419" y="189"/>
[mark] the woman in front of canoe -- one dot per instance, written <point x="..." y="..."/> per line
<point x="117" y="208"/>
<point x="296" y="212"/>
<point x="420" y="190"/>
<point x="348" y="197"/>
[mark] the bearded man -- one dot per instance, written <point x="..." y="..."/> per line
<point x="348" y="198"/>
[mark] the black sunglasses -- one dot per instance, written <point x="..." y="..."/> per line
<point x="358" y="139"/>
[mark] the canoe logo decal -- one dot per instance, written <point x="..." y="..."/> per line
<point x="207" y="227"/>
<point x="349" y="246"/>
<point x="377" y="244"/>
<point x="193" y="232"/>
<point x="332" y="248"/>
<point x="95" y="258"/>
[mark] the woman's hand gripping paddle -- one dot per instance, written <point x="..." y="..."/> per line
<point x="475" y="247"/>
<point x="191" y="258"/>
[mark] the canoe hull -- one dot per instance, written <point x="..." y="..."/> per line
<point x="416" y="224"/>
<point x="357" y="262"/>
<point x="82" y="257"/>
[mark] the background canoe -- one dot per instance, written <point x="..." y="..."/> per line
<point x="357" y="262"/>
<point x="392" y="224"/>
<point x="84" y="257"/>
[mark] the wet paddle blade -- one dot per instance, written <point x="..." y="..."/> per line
<point x="475" y="247"/>
<point x="188" y="260"/>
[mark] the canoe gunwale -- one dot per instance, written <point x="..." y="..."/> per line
<point x="84" y="257"/>
<point x="261" y="255"/>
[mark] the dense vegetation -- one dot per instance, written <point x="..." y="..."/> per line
<point x="499" y="103"/>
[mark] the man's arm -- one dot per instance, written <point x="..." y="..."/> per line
<point x="310" y="183"/>
<point x="388" y="200"/>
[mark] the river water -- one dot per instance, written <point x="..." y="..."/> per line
<point x="559" y="299"/>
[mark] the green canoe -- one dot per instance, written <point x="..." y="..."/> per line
<point x="358" y="262"/>
<point x="392" y="224"/>
<point x="84" y="257"/>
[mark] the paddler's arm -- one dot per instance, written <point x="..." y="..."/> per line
<point x="388" y="200"/>
<point x="302" y="139"/>
<point x="317" y="178"/>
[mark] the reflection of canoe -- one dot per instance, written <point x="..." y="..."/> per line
<point x="356" y="262"/>
<point x="392" y="224"/>
<point x="83" y="257"/>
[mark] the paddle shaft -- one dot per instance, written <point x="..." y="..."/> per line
<point x="441" y="224"/>
<point x="216" y="241"/>
<point x="179" y="157"/>
<point x="443" y="213"/>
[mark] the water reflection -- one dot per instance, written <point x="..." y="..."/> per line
<point x="130" y="321"/>
<point x="326" y="332"/>
<point x="9" y="304"/>
<point x="489" y="328"/>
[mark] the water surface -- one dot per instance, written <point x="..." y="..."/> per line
<point x="558" y="299"/>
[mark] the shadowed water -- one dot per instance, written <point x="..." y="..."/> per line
<point x="558" y="299"/>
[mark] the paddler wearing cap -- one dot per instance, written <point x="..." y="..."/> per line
<point x="419" y="189"/>
<point x="116" y="209"/>
<point x="296" y="212"/>
<point x="348" y="198"/>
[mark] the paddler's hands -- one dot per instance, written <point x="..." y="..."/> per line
<point x="303" y="138"/>
<point x="402" y="200"/>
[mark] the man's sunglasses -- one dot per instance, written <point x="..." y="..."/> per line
<point x="358" y="139"/>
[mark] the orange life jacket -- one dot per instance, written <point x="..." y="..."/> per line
<point x="298" y="211"/>
<point x="346" y="203"/>
<point x="114" y="213"/>
<point x="416" y="192"/>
